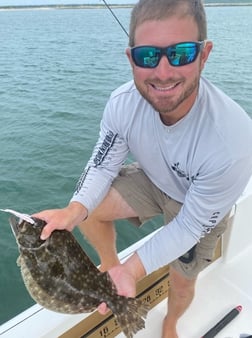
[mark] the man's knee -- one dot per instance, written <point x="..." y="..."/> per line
<point x="112" y="207"/>
<point x="181" y="283"/>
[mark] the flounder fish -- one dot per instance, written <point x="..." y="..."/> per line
<point x="60" y="276"/>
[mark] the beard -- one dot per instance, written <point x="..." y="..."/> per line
<point x="169" y="103"/>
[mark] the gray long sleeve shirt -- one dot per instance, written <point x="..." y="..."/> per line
<point x="203" y="161"/>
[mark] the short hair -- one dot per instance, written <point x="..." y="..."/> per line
<point x="146" y="10"/>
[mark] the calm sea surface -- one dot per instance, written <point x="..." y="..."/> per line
<point x="57" y="69"/>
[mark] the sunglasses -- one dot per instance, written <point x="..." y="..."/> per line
<point x="179" y="54"/>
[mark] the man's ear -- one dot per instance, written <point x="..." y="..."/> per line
<point x="128" y="53"/>
<point x="205" y="53"/>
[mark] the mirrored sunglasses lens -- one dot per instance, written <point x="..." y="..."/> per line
<point x="182" y="54"/>
<point x="147" y="57"/>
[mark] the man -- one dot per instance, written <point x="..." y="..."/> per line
<point x="193" y="148"/>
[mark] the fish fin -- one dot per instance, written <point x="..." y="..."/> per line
<point x="19" y="259"/>
<point x="130" y="314"/>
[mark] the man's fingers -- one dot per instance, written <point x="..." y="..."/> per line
<point x="103" y="309"/>
<point x="46" y="232"/>
<point x="43" y="215"/>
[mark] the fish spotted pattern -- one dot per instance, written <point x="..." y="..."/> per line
<point x="60" y="276"/>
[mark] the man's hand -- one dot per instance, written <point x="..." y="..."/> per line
<point x="61" y="219"/>
<point x="125" y="277"/>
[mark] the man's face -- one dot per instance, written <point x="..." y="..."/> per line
<point x="170" y="90"/>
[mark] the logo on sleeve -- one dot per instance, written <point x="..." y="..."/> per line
<point x="105" y="147"/>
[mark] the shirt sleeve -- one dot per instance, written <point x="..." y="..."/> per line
<point x="107" y="158"/>
<point x="207" y="201"/>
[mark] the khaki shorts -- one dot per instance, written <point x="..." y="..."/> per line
<point x="148" y="201"/>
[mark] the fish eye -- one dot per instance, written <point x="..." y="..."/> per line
<point x="36" y="225"/>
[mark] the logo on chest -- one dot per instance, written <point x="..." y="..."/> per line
<point x="181" y="173"/>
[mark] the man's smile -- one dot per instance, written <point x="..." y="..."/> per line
<point x="164" y="88"/>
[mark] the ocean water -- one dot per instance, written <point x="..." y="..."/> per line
<point x="57" y="69"/>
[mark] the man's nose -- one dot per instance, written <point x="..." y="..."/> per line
<point x="164" y="68"/>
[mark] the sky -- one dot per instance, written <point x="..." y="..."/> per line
<point x="62" y="2"/>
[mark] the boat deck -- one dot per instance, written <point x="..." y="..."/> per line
<point x="221" y="288"/>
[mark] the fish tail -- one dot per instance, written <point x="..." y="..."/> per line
<point x="130" y="314"/>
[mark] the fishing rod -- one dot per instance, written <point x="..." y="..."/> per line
<point x="115" y="17"/>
